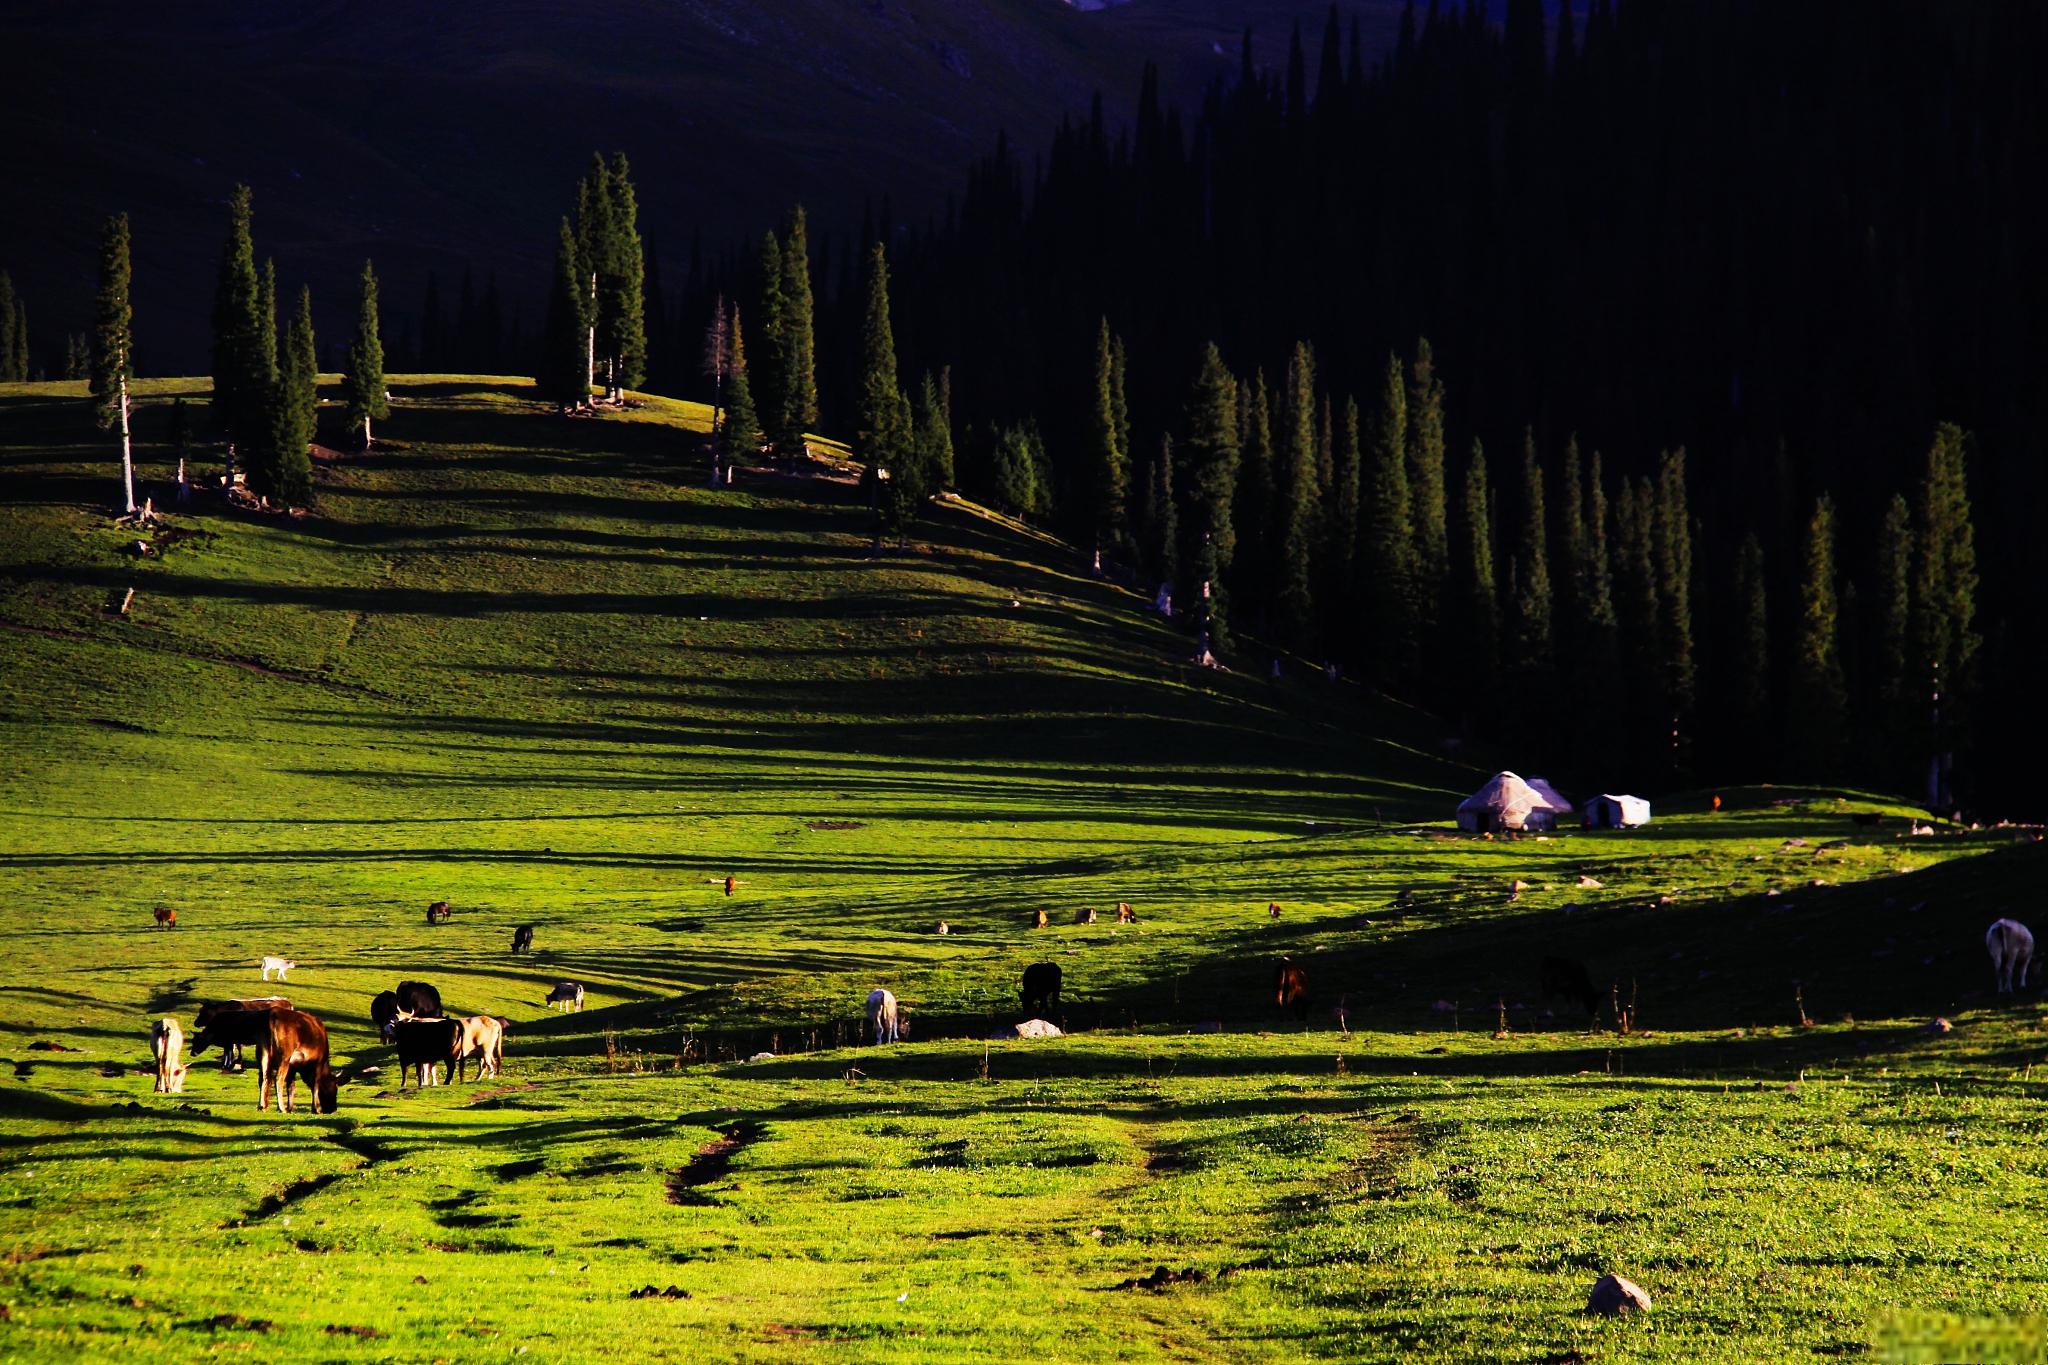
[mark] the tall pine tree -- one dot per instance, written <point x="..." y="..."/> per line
<point x="883" y="430"/>
<point x="1750" y="670"/>
<point x="1480" y="589"/>
<point x="284" y="472"/>
<point x="1674" y="601"/>
<point x="13" y="367"/>
<point x="1897" y="680"/>
<point x="1298" y="513"/>
<point x="1531" y="608"/>
<point x="1944" y="636"/>
<point x="621" y="267"/>
<point x="933" y="436"/>
<point x="1820" y="694"/>
<point x="740" y="438"/>
<point x="1106" y="463"/>
<point x="1161" y="520"/>
<point x="113" y="347"/>
<point x="1426" y="492"/>
<point x="241" y="369"/>
<point x="1210" y="455"/>
<point x="564" y="377"/>
<point x="798" y="361"/>
<point x="363" y="386"/>
<point x="1388" y="552"/>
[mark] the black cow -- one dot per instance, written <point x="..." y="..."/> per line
<point x="1568" y="977"/>
<point x="522" y="938"/>
<point x="383" y="1013"/>
<point x="1041" y="995"/>
<point x="418" y="1000"/>
<point x="232" y="1025"/>
<point x="425" y="1044"/>
<point x="1290" y="988"/>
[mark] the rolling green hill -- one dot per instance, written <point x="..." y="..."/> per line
<point x="531" y="666"/>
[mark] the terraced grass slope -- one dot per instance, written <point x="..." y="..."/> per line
<point x="529" y="666"/>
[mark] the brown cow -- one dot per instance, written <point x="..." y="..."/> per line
<point x="1274" y="910"/>
<point x="1038" y="919"/>
<point x="483" y="1037"/>
<point x="1124" y="914"/>
<point x="294" y="1045"/>
<point x="166" y="918"/>
<point x="1085" y="915"/>
<point x="439" y="912"/>
<point x="234" y="1025"/>
<point x="1290" y="988"/>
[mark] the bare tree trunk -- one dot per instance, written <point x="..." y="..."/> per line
<point x="591" y="354"/>
<point x="127" y="451"/>
<point x="367" y="441"/>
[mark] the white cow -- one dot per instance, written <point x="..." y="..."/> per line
<point x="280" y="965"/>
<point x="886" y="1021"/>
<point x="2012" y="949"/>
<point x="167" y="1041"/>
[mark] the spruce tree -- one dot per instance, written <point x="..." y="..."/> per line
<point x="364" y="387"/>
<point x="1253" y="505"/>
<point x="768" y="337"/>
<point x="799" y="367"/>
<point x="1674" y="600"/>
<point x="1106" y="463"/>
<point x="564" y="378"/>
<point x="1750" y="681"/>
<point x="1480" y="588"/>
<point x="113" y="347"/>
<point x="1298" y="514"/>
<point x="12" y="370"/>
<point x="1161" y="521"/>
<point x="878" y="431"/>
<point x="933" y="436"/>
<point x="594" y="223"/>
<point x="1897" y="680"/>
<point x="621" y="285"/>
<point x="1346" y="465"/>
<point x="1388" y="554"/>
<point x="266" y="326"/>
<point x="1210" y="455"/>
<point x="1120" y="412"/>
<point x="241" y="371"/>
<point x="1571" y="552"/>
<point x="1426" y="492"/>
<point x="295" y="412"/>
<point x="740" y="438"/>
<point x="1530" y="609"/>
<point x="1820" y="695"/>
<point x="1945" y="637"/>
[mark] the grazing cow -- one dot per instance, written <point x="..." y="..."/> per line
<point x="1038" y="919"/>
<point x="942" y="928"/>
<point x="2012" y="950"/>
<point x="1290" y="988"/>
<point x="483" y="1037"/>
<point x="1040" y="998"/>
<point x="566" y="996"/>
<point x="293" y="1045"/>
<point x="166" y="918"/>
<point x="885" y="1017"/>
<point x="1085" y="915"/>
<point x="1124" y="914"/>
<point x="233" y="1025"/>
<point x="166" y="1041"/>
<point x="439" y="911"/>
<point x="280" y="965"/>
<point x="423" y="1044"/>
<point x="522" y="938"/>
<point x="418" y="1000"/>
<point x="384" y="1013"/>
<point x="1568" y="977"/>
<point x="1274" y="910"/>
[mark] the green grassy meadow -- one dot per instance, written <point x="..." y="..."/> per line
<point x="533" y="667"/>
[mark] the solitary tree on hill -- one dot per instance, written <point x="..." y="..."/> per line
<point x="363" y="386"/>
<point x="113" y="347"/>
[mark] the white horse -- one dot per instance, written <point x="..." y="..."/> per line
<point x="885" y="1017"/>
<point x="2012" y="950"/>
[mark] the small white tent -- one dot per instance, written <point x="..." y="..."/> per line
<point x="1551" y="796"/>
<point x="1505" y="802"/>
<point x="1617" y="812"/>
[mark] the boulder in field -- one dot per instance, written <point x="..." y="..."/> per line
<point x="1615" y="1294"/>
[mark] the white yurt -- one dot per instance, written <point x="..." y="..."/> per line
<point x="1505" y="802"/>
<point x="1607" y="811"/>
<point x="1551" y="795"/>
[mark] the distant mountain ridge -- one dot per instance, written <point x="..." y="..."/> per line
<point x="451" y="133"/>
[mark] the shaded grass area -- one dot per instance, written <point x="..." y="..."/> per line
<point x="529" y="666"/>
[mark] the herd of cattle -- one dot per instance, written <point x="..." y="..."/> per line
<point x="290" y="1044"/>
